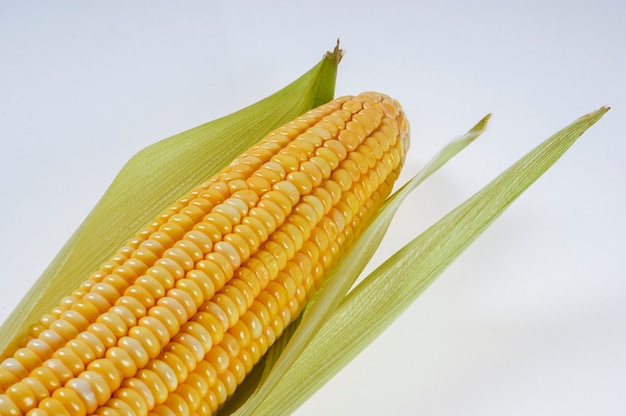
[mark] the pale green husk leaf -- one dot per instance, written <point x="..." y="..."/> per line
<point x="282" y="356"/>
<point x="154" y="178"/>
<point x="379" y="299"/>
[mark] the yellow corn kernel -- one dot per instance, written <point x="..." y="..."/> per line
<point x="174" y="321"/>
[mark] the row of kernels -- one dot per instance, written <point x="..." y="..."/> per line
<point x="308" y="144"/>
<point x="257" y="180"/>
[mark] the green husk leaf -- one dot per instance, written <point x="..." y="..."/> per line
<point x="344" y="276"/>
<point x="377" y="301"/>
<point x="154" y="178"/>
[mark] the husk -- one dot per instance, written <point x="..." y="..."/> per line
<point x="153" y="179"/>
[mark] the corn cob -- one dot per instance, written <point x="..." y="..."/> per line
<point x="174" y="321"/>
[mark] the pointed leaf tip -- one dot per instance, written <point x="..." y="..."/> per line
<point x="481" y="126"/>
<point x="336" y="54"/>
<point x="595" y="115"/>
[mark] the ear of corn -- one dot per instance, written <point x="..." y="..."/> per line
<point x="172" y="322"/>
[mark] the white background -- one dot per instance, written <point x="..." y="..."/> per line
<point x="529" y="321"/>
